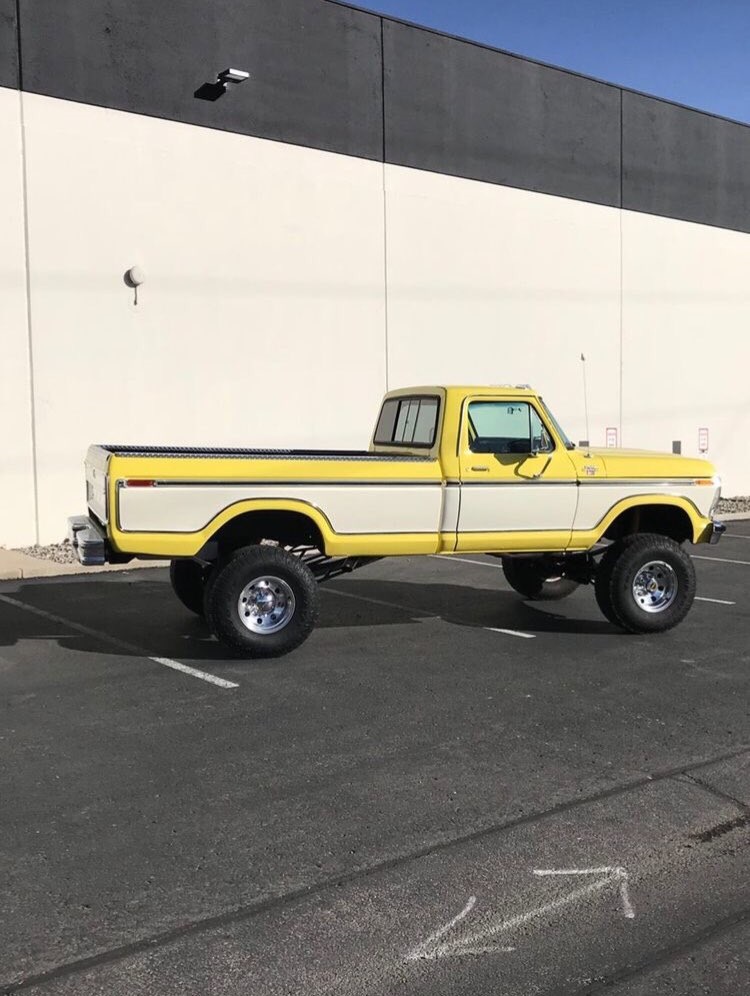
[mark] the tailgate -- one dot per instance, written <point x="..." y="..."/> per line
<point x="97" y="462"/>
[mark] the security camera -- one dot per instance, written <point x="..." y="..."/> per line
<point x="219" y="86"/>
<point x="232" y="76"/>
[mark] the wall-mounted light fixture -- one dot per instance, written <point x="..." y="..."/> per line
<point x="134" y="277"/>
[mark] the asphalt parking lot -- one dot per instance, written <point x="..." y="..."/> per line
<point x="445" y="790"/>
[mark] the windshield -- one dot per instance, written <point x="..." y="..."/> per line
<point x="558" y="429"/>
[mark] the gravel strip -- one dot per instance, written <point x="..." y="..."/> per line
<point x="740" y="504"/>
<point x="59" y="553"/>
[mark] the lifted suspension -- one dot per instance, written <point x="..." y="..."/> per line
<point x="326" y="568"/>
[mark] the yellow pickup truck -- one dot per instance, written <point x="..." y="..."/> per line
<point x="250" y="533"/>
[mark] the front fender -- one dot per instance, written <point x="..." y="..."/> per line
<point x="701" y="526"/>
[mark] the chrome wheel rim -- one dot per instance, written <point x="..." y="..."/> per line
<point x="266" y="605"/>
<point x="655" y="586"/>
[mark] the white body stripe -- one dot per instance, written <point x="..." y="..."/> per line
<point x="402" y="508"/>
<point x="386" y="508"/>
<point x="595" y="500"/>
<point x="488" y="508"/>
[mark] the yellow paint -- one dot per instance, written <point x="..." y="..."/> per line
<point x="450" y="458"/>
<point x="526" y="541"/>
<point x="618" y="463"/>
<point x="578" y="540"/>
<point x="236" y="469"/>
<point x="583" y="539"/>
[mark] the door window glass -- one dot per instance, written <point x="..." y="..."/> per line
<point x="507" y="427"/>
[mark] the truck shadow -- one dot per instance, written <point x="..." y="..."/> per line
<point x="148" y="619"/>
<point x="398" y="602"/>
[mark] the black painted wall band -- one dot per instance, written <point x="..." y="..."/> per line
<point x="333" y="77"/>
<point x="8" y="44"/>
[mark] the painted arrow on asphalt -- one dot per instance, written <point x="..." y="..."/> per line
<point x="487" y="935"/>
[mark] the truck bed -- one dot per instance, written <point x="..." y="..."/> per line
<point x="166" y="491"/>
<point x="234" y="453"/>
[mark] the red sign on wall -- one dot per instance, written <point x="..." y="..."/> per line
<point x="703" y="440"/>
<point x="611" y="437"/>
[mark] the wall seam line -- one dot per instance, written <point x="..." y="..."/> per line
<point x="385" y="206"/>
<point x="622" y="268"/>
<point x="27" y="274"/>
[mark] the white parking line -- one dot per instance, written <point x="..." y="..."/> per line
<point x="735" y="536"/>
<point x="379" y="601"/>
<point x="511" y="632"/>
<point x="120" y="644"/>
<point x="464" y="560"/>
<point x="498" y="567"/>
<point x="722" y="560"/>
<point x="194" y="672"/>
<point x="482" y="563"/>
<point x="420" y="612"/>
<point x="716" y="601"/>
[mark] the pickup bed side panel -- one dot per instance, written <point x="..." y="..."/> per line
<point x="363" y="505"/>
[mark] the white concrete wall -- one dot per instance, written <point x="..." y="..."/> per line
<point x="17" y="515"/>
<point x="489" y="284"/>
<point x="261" y="319"/>
<point x="493" y="284"/>
<point x="686" y="334"/>
<point x="281" y="281"/>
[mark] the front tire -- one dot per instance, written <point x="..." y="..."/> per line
<point x="261" y="602"/>
<point x="602" y="580"/>
<point x="537" y="578"/>
<point x="647" y="582"/>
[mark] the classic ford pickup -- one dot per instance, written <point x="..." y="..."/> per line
<point x="251" y="532"/>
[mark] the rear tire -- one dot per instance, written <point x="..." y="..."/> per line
<point x="648" y="583"/>
<point x="188" y="579"/>
<point x="536" y="578"/>
<point x="261" y="602"/>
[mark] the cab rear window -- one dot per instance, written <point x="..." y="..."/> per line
<point x="408" y="422"/>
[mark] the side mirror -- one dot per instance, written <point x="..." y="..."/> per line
<point x="536" y="446"/>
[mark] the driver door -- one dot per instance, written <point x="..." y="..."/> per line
<point x="518" y="482"/>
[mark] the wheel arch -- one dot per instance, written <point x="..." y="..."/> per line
<point x="288" y="522"/>
<point x="665" y="515"/>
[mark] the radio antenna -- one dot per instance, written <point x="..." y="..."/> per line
<point x="585" y="399"/>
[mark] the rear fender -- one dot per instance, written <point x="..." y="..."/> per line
<point x="190" y="544"/>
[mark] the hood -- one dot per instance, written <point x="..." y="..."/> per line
<point x="647" y="463"/>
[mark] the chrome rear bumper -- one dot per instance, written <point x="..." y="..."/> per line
<point x="88" y="540"/>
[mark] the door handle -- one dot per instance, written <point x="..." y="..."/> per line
<point x="481" y="468"/>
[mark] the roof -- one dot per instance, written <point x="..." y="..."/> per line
<point x="515" y="390"/>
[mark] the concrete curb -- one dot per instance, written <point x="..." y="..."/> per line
<point x="732" y="516"/>
<point x="15" y="566"/>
